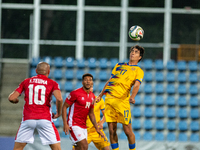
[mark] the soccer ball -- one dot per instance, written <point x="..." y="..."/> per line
<point x="136" y="33"/>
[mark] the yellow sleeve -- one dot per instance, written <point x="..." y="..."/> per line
<point x="102" y="105"/>
<point x="140" y="75"/>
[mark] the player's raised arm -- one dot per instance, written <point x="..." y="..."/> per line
<point x="59" y="102"/>
<point x="13" y="97"/>
<point x="66" y="128"/>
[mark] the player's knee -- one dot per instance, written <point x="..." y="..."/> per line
<point x="112" y="132"/>
<point x="129" y="133"/>
<point x="106" y="148"/>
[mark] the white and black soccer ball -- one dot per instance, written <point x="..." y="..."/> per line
<point x="136" y="33"/>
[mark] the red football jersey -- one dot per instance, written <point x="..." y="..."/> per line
<point x="81" y="103"/>
<point x="37" y="95"/>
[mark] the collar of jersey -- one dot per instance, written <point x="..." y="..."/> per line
<point x="41" y="75"/>
<point x="131" y="65"/>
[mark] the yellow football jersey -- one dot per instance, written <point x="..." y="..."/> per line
<point x="97" y="107"/>
<point x="122" y="79"/>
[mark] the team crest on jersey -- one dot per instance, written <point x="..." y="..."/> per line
<point x="69" y="96"/>
<point x="82" y="98"/>
<point x="133" y="68"/>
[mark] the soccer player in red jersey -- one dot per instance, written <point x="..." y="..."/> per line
<point x="37" y="113"/>
<point x="81" y="104"/>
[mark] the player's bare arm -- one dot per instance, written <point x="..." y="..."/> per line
<point x="59" y="102"/>
<point x="13" y="97"/>
<point x="101" y="94"/>
<point x="103" y="119"/>
<point x="66" y="128"/>
<point x="134" y="92"/>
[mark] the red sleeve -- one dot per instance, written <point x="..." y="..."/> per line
<point x="71" y="98"/>
<point x="92" y="105"/>
<point x="20" y="88"/>
<point x="56" y="86"/>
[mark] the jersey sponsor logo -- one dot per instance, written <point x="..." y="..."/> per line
<point x="40" y="81"/>
<point x="82" y="98"/>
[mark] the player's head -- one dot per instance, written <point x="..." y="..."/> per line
<point x="135" y="49"/>
<point x="87" y="81"/>
<point x="43" y="68"/>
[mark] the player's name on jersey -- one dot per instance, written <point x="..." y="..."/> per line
<point x="40" y="81"/>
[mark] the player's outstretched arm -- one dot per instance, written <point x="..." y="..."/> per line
<point x="102" y="92"/>
<point x="66" y="128"/>
<point x="59" y="102"/>
<point x="13" y="97"/>
<point x="134" y="92"/>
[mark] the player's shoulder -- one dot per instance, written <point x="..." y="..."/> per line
<point x="101" y="101"/>
<point x="140" y="69"/>
<point x="77" y="91"/>
<point x="26" y="81"/>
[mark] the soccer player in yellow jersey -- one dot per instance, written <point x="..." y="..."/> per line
<point x="117" y="101"/>
<point x="93" y="136"/>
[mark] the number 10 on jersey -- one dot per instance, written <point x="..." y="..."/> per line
<point x="38" y="90"/>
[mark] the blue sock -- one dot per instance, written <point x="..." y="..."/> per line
<point x="115" y="146"/>
<point x="132" y="146"/>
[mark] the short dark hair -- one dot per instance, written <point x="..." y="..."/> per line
<point x="87" y="74"/>
<point x="140" y="48"/>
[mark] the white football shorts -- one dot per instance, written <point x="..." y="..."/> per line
<point x="77" y="134"/>
<point x="46" y="130"/>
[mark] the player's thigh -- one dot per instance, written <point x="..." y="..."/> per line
<point x="19" y="146"/>
<point x="112" y="127"/>
<point x="124" y="112"/>
<point x="118" y="112"/>
<point x="55" y="146"/>
<point x="81" y="145"/>
<point x="89" y="137"/>
<point x="128" y="129"/>
<point x="78" y="134"/>
<point x="48" y="132"/>
<point x="25" y="133"/>
<point x="110" y="113"/>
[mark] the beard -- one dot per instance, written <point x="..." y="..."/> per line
<point x="87" y="88"/>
